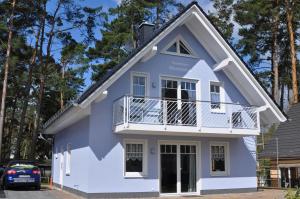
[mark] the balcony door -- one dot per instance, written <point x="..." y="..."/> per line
<point x="180" y="96"/>
<point x="178" y="163"/>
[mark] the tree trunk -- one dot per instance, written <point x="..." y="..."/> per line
<point x="27" y="92"/>
<point x="289" y="17"/>
<point x="10" y="129"/>
<point x="282" y="95"/>
<point x="275" y="54"/>
<point x="42" y="82"/>
<point x="62" y="90"/>
<point x="6" y="68"/>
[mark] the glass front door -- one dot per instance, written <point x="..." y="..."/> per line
<point x="188" y="168"/>
<point x="178" y="168"/>
<point x="168" y="159"/>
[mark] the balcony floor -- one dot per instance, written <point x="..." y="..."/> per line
<point x="152" y="129"/>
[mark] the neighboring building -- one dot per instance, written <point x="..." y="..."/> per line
<point x="178" y="116"/>
<point x="287" y="171"/>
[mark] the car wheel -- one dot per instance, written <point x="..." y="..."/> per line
<point x="38" y="187"/>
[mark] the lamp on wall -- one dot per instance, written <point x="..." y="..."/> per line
<point x="153" y="85"/>
<point x="152" y="151"/>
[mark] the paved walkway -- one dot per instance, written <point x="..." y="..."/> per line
<point x="261" y="194"/>
<point x="56" y="194"/>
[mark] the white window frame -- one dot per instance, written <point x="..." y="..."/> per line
<point x="222" y="97"/>
<point x="144" y="172"/>
<point x="177" y="39"/>
<point x="227" y="159"/>
<point x="68" y="159"/>
<point x="140" y="74"/>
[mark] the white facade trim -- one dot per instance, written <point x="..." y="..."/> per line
<point x="221" y="65"/>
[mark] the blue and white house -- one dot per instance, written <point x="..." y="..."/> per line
<point x="178" y="116"/>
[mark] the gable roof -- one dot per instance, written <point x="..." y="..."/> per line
<point x="288" y="134"/>
<point x="90" y="94"/>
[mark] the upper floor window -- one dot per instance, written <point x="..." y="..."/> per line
<point x="188" y="91"/>
<point x="216" y="96"/>
<point x="179" y="47"/>
<point x="139" y="85"/>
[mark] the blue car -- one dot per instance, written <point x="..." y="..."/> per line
<point x="21" y="174"/>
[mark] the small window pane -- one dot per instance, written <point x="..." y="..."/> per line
<point x="173" y="48"/>
<point x="174" y="84"/>
<point x="168" y="148"/>
<point x="212" y="88"/>
<point x="193" y="86"/>
<point x="174" y="149"/>
<point x="169" y="84"/>
<point x="183" y="85"/>
<point x="163" y="83"/>
<point x="182" y="149"/>
<point x="183" y="48"/>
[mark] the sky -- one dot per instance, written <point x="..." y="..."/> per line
<point x="207" y="5"/>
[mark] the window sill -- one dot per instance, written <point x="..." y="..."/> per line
<point x="180" y="55"/>
<point x="221" y="111"/>
<point x="219" y="174"/>
<point x="135" y="175"/>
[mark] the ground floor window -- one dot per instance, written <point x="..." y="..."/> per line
<point x="135" y="158"/>
<point x="219" y="158"/>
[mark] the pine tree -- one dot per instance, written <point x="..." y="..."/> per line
<point x="223" y="17"/>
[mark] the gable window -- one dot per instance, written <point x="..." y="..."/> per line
<point x="219" y="158"/>
<point x="179" y="47"/>
<point x="139" y="85"/>
<point x="135" y="158"/>
<point x="68" y="160"/>
<point x="216" y="97"/>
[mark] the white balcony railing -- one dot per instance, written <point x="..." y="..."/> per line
<point x="175" y="112"/>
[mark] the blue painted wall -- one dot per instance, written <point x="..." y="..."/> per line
<point x="100" y="151"/>
<point x="77" y="136"/>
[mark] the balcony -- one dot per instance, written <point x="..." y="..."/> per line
<point x="181" y="117"/>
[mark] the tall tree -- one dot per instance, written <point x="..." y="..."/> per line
<point x="291" y="31"/>
<point x="6" y="69"/>
<point x="32" y="63"/>
<point x="275" y="51"/>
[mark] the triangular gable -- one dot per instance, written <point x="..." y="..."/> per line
<point x="228" y="60"/>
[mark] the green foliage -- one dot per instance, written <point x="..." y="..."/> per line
<point x="292" y="194"/>
<point x="222" y="18"/>
<point x="119" y="31"/>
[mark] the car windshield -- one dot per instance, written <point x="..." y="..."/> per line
<point x="22" y="166"/>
